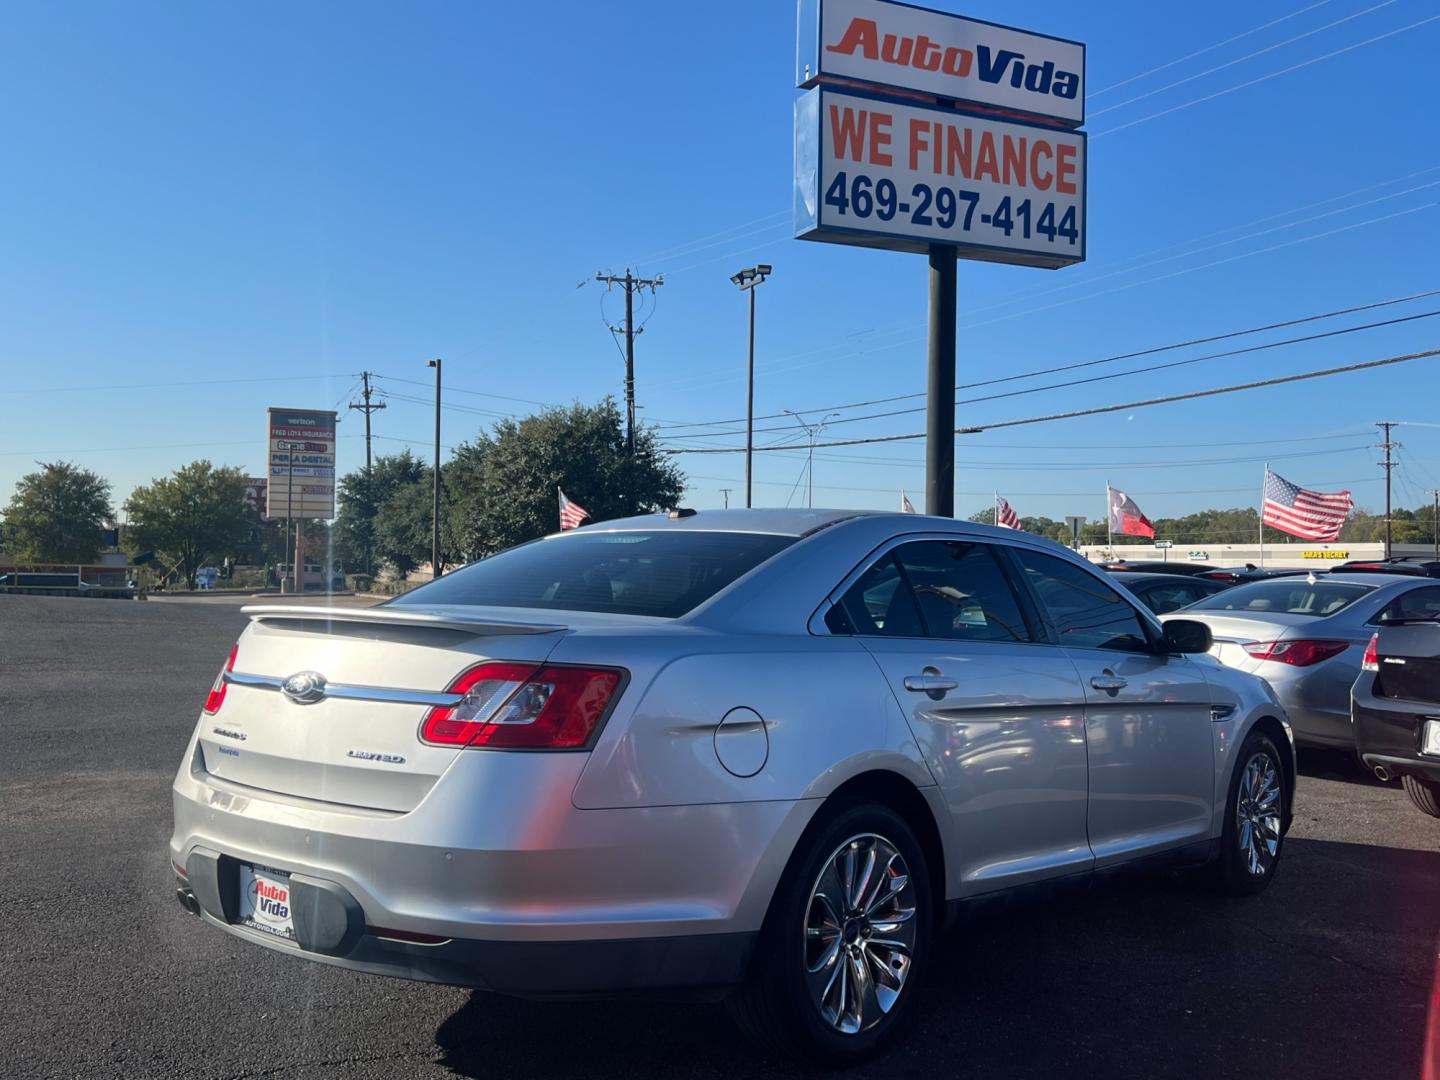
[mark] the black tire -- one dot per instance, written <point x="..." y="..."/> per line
<point x="1235" y="869"/>
<point x="1424" y="794"/>
<point x="776" y="1007"/>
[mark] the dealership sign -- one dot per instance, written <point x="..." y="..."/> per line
<point x="878" y="173"/>
<point x="301" y="448"/>
<point x="942" y="56"/>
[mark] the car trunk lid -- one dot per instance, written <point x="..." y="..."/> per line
<point x="351" y="737"/>
<point x="1232" y="633"/>
<point x="1408" y="655"/>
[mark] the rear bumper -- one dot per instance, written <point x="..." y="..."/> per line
<point x="1388" y="731"/>
<point x="520" y="891"/>
<point x="331" y="929"/>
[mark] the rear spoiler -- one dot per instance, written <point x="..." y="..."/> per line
<point x="476" y="624"/>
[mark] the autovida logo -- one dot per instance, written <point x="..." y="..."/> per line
<point x="269" y="901"/>
<point x="994" y="66"/>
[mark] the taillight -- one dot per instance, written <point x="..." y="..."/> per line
<point x="523" y="707"/>
<point x="1297" y="653"/>
<point x="1371" y="660"/>
<point x="1221" y="575"/>
<point x="216" y="697"/>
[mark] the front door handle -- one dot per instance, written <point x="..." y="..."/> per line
<point x="1108" y="683"/>
<point x="930" y="684"/>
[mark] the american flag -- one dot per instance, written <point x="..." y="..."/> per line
<point x="906" y="506"/>
<point x="1310" y="515"/>
<point x="571" y="513"/>
<point x="1005" y="517"/>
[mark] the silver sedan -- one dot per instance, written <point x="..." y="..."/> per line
<point x="1306" y="637"/>
<point x="752" y="754"/>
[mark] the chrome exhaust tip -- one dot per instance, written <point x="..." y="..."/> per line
<point x="1382" y="774"/>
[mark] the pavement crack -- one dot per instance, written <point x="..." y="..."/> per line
<point x="1325" y="954"/>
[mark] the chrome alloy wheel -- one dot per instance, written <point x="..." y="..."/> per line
<point x="1257" y="814"/>
<point x="859" y="933"/>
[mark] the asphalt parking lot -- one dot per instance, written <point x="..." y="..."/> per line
<point x="1326" y="975"/>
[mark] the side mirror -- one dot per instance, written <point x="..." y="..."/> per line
<point x="1187" y="636"/>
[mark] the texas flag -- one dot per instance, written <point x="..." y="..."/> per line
<point x="1125" y="517"/>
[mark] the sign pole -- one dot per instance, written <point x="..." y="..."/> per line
<point x="940" y="385"/>
<point x="1262" y="515"/>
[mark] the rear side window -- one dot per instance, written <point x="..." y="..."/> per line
<point x="1421" y="603"/>
<point x="962" y="591"/>
<point x="1085" y="611"/>
<point x="1163" y="598"/>
<point x="933" y="588"/>
<point x="1287" y="596"/>
<point x="664" y="573"/>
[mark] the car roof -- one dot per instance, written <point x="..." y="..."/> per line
<point x="1128" y="577"/>
<point x="796" y="523"/>
<point x="1372" y="577"/>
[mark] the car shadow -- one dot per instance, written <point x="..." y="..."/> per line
<point x="1339" y="765"/>
<point x="1145" y="976"/>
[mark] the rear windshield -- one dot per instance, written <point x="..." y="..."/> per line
<point x="1287" y="596"/>
<point x="665" y="573"/>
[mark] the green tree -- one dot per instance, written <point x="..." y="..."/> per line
<point x="58" y="514"/>
<point x="511" y="475"/>
<point x="361" y="495"/>
<point x="193" y="517"/>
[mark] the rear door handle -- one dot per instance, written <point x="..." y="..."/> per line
<point x="930" y="684"/>
<point x="1109" y="683"/>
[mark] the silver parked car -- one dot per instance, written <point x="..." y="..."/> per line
<point x="758" y="754"/>
<point x="1306" y="637"/>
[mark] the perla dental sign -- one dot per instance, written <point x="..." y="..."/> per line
<point x="948" y="56"/>
<point x="879" y="173"/>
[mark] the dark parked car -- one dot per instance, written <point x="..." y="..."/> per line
<point x="1400" y="564"/>
<point x="1168" y="592"/>
<point x="1152" y="566"/>
<point x="1395" y="705"/>
<point x="1239" y="575"/>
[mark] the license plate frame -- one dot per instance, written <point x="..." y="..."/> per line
<point x="266" y="901"/>
<point x="1430" y="738"/>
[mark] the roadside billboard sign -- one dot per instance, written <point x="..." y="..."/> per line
<point x="301" y="448"/>
<point x="942" y="56"/>
<point x="875" y="172"/>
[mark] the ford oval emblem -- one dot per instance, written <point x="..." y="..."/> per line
<point x="304" y="687"/>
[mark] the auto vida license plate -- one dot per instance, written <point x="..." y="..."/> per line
<point x="1431" y="741"/>
<point x="265" y="901"/>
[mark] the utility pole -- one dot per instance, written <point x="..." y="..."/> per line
<point x="726" y="493"/>
<point x="747" y="279"/>
<point x="811" y="432"/>
<point x="435" y="570"/>
<point x="1389" y="466"/>
<point x="631" y="284"/>
<point x="1435" y="521"/>
<point x="940" y="384"/>
<point x="366" y="406"/>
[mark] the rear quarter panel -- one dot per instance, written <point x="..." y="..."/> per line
<point x="826" y="713"/>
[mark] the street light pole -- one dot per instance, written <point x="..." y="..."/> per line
<point x="435" y="507"/>
<point x="747" y="279"/>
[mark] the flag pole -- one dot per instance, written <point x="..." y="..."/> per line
<point x="1264" y="478"/>
<point x="1109" y="532"/>
<point x="995" y="505"/>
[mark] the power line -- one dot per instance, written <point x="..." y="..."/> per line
<point x="1113" y="375"/>
<point x="1263" y="78"/>
<point x="1239" y="60"/>
<point x="1201" y="52"/>
<point x="976" y="429"/>
<point x="1136" y="354"/>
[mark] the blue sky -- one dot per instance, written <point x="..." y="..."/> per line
<point x="208" y="209"/>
